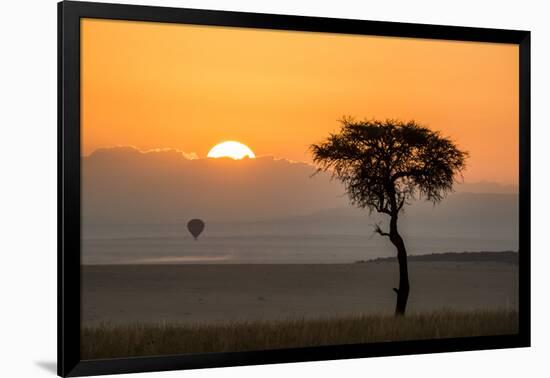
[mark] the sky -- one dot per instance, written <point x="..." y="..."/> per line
<point x="153" y="85"/>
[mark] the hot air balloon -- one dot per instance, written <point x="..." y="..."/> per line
<point x="195" y="227"/>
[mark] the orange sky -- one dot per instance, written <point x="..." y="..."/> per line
<point x="154" y="85"/>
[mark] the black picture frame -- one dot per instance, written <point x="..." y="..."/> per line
<point x="69" y="268"/>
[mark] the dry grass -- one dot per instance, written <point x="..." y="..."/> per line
<point x="110" y="341"/>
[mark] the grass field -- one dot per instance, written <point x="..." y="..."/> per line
<point x="110" y="341"/>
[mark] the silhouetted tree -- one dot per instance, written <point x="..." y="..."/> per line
<point x="385" y="165"/>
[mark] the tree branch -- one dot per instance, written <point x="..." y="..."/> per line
<point x="401" y="203"/>
<point x="378" y="230"/>
<point x="383" y="210"/>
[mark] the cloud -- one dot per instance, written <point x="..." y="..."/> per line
<point x="117" y="150"/>
<point x="124" y="184"/>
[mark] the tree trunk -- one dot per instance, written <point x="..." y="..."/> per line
<point x="403" y="290"/>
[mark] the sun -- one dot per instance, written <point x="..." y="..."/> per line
<point x="231" y="149"/>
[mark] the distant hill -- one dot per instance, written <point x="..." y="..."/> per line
<point x="127" y="186"/>
<point x="508" y="257"/>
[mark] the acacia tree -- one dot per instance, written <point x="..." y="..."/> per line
<point x="384" y="166"/>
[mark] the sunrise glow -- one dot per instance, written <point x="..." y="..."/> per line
<point x="231" y="149"/>
<point x="151" y="85"/>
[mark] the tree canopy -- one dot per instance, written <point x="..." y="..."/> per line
<point x="386" y="164"/>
